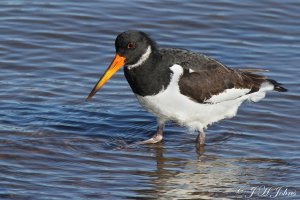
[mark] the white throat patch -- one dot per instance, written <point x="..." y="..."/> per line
<point x="142" y="59"/>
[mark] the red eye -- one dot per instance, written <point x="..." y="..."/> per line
<point x="130" y="45"/>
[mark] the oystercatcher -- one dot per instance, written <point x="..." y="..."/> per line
<point x="191" y="89"/>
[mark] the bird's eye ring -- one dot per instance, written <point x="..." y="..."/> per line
<point x="130" y="45"/>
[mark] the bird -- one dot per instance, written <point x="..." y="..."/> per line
<point x="179" y="85"/>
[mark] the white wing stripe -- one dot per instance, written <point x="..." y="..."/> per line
<point x="228" y="94"/>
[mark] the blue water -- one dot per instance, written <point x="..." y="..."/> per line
<point x="54" y="145"/>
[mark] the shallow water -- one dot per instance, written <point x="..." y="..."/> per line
<point x="54" y="145"/>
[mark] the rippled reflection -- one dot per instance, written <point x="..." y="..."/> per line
<point x="54" y="145"/>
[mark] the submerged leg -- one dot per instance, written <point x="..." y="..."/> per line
<point x="158" y="136"/>
<point x="200" y="138"/>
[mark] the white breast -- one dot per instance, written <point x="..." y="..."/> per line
<point x="170" y="104"/>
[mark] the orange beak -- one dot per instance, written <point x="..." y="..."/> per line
<point x="116" y="64"/>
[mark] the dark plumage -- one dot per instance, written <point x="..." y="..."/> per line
<point x="210" y="77"/>
<point x="176" y="84"/>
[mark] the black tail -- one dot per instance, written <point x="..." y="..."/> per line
<point x="277" y="86"/>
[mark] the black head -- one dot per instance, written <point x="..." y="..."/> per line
<point x="132" y="45"/>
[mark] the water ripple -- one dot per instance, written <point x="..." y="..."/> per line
<point x="54" y="145"/>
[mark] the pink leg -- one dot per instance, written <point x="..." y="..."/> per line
<point x="158" y="136"/>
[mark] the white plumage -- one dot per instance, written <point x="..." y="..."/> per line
<point x="170" y="104"/>
<point x="142" y="59"/>
<point x="192" y="92"/>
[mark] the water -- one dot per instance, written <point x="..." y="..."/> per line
<point x="54" y="145"/>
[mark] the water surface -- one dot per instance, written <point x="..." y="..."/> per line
<point x="54" y="145"/>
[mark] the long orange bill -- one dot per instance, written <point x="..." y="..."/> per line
<point x="116" y="64"/>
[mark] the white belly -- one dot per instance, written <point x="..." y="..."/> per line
<point x="170" y="104"/>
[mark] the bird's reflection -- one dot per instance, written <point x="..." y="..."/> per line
<point x="177" y="175"/>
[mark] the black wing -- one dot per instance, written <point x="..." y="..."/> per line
<point x="204" y="77"/>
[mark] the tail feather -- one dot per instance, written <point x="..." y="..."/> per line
<point x="259" y="79"/>
<point x="277" y="86"/>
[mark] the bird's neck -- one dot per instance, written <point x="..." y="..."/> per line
<point x="149" y="78"/>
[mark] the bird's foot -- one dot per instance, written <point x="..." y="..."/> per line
<point x="155" y="139"/>
<point x="200" y="141"/>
